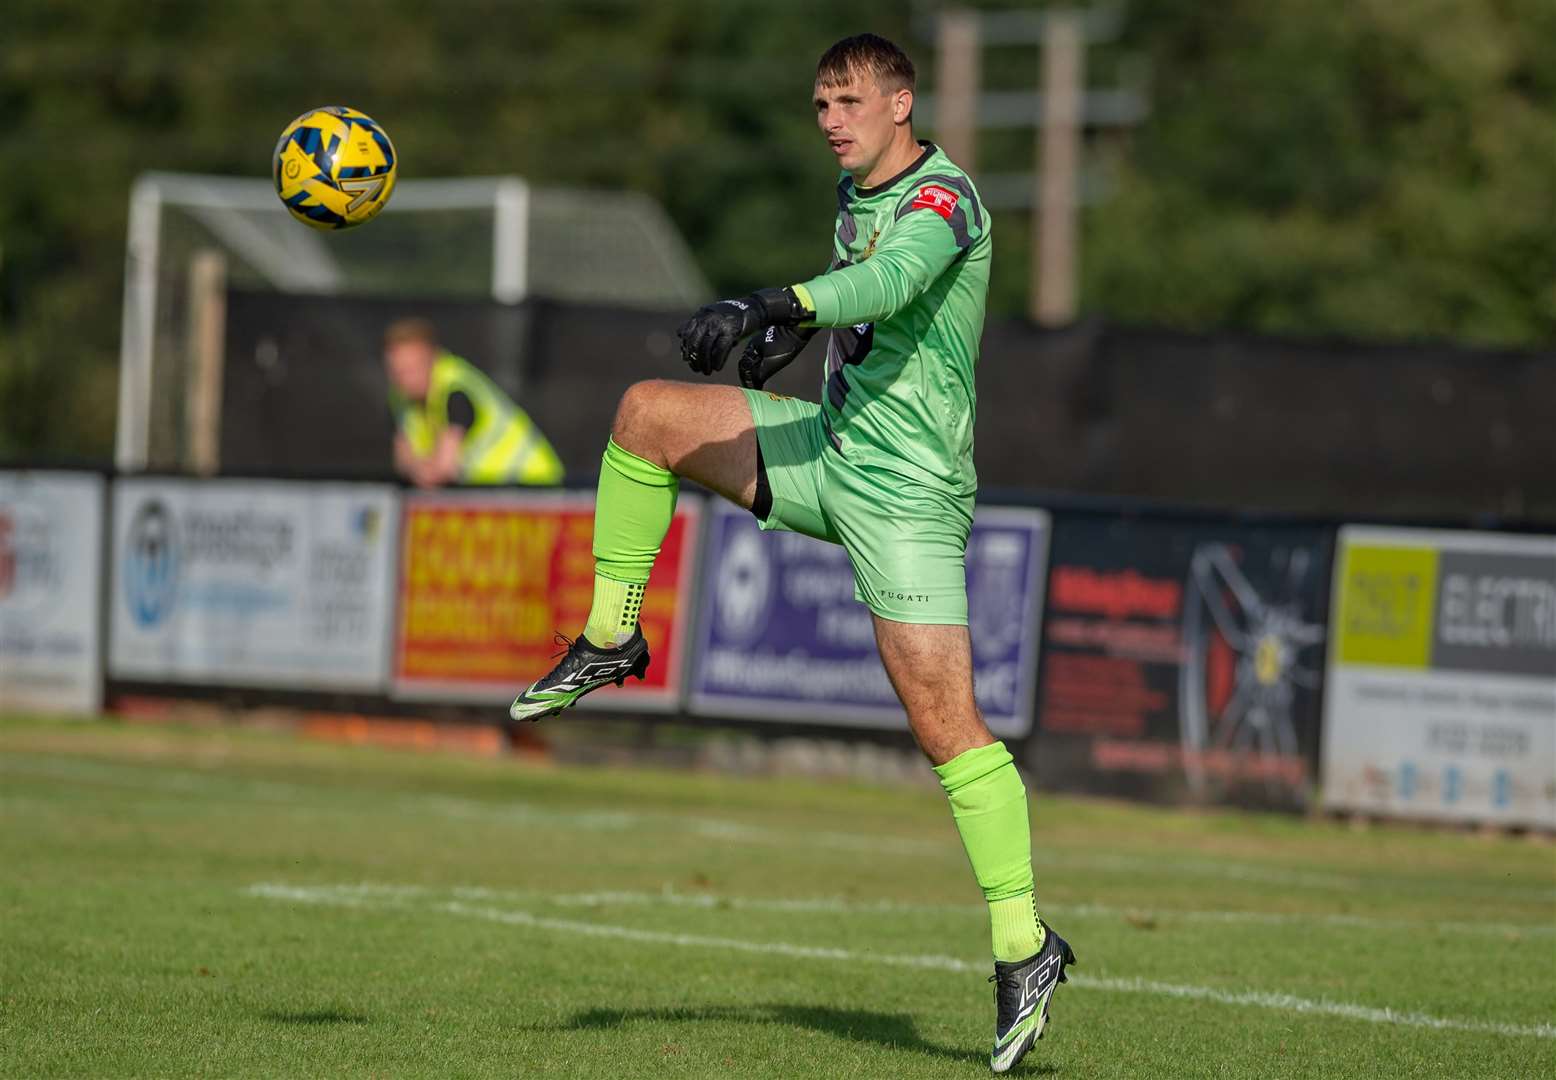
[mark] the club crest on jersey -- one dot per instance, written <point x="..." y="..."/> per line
<point x="869" y="248"/>
<point x="934" y="197"/>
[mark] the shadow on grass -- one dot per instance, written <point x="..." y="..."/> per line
<point x="893" y="1030"/>
<point x="313" y="1017"/>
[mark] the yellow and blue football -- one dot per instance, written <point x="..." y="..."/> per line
<point x="334" y="168"/>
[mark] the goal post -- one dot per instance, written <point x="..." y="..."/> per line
<point x="497" y="238"/>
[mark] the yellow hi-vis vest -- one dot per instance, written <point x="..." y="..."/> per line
<point x="503" y="445"/>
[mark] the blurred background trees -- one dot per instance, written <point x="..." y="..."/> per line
<point x="1355" y="167"/>
<point x="1361" y="167"/>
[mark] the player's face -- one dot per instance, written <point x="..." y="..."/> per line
<point x="859" y="121"/>
<point x="409" y="364"/>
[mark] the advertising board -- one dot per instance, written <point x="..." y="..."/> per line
<point x="1441" y="691"/>
<point x="1182" y="659"/>
<point x="488" y="581"/>
<point x="781" y="637"/>
<point x="263" y="583"/>
<point x="51" y="535"/>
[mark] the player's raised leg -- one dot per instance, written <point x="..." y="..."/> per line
<point x="663" y="431"/>
<point x="930" y="666"/>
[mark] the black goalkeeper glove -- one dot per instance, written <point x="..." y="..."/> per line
<point x="770" y="352"/>
<point x="709" y="335"/>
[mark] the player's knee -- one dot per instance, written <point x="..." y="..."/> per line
<point x="637" y="411"/>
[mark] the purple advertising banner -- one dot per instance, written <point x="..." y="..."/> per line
<point x="781" y="637"/>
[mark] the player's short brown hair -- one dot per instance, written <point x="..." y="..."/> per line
<point x="866" y="54"/>
<point x="411" y="329"/>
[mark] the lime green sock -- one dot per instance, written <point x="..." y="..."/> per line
<point x="614" y="614"/>
<point x="989" y="803"/>
<point x="632" y="513"/>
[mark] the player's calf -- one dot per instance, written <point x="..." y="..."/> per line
<point x="702" y="432"/>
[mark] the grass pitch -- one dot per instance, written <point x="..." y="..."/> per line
<point x="232" y="903"/>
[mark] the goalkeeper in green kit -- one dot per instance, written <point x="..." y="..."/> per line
<point x="881" y="465"/>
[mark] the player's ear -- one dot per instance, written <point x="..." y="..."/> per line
<point x="902" y="106"/>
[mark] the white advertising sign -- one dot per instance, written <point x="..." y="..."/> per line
<point x="1440" y="700"/>
<point x="51" y="536"/>
<point x="252" y="583"/>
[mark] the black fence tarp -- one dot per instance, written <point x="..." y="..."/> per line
<point x="303" y="387"/>
<point x="1327" y="427"/>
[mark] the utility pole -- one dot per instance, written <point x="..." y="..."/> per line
<point x="957" y="76"/>
<point x="1059" y="109"/>
<point x="203" y="375"/>
<point x="1052" y="295"/>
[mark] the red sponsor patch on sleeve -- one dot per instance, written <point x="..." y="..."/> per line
<point x="934" y="197"/>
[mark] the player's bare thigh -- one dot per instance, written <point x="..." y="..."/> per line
<point x="930" y="667"/>
<point x="700" y="432"/>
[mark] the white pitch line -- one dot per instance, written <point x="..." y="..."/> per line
<point x="364" y="895"/>
<point x="842" y="906"/>
<point x="1264" y="999"/>
<point x="1251" y="998"/>
<point x="529" y="815"/>
<point x="665" y="937"/>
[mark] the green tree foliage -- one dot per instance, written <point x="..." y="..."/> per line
<point x="1362" y="167"/>
<point x="703" y="105"/>
<point x="1340" y="166"/>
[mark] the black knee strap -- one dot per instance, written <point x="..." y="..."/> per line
<point x="762" y="501"/>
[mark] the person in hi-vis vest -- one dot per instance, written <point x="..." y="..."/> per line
<point x="454" y="424"/>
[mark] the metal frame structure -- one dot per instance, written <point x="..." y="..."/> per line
<point x="300" y="260"/>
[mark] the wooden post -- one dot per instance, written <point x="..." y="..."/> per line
<point x="203" y="376"/>
<point x="1052" y="298"/>
<point x="957" y="75"/>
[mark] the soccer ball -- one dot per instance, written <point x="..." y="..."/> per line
<point x="334" y="168"/>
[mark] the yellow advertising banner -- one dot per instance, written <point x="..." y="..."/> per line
<point x="487" y="582"/>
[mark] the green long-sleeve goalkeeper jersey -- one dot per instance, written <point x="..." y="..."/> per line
<point x="906" y="293"/>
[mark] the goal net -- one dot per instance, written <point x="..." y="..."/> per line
<point x="191" y="237"/>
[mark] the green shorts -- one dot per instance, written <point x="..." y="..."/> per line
<point x="906" y="541"/>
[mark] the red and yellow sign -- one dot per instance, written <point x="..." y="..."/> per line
<point x="486" y="582"/>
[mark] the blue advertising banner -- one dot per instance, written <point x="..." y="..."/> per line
<point x="781" y="637"/>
